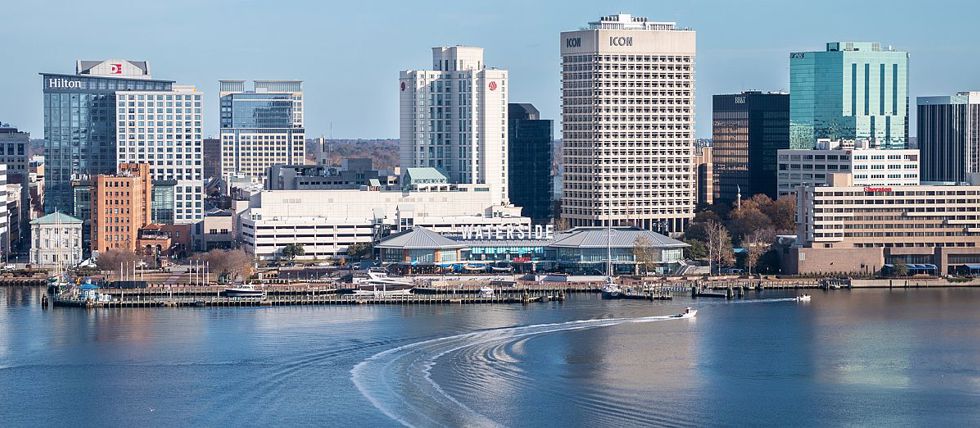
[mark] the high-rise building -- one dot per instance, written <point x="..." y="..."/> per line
<point x="261" y="127"/>
<point x="169" y="140"/>
<point x="628" y="124"/>
<point x="747" y="129"/>
<point x="454" y="118"/>
<point x="869" y="167"/>
<point x="212" y="158"/>
<point x="120" y="207"/>
<point x="851" y="91"/>
<point x="4" y="217"/>
<point x="530" y="142"/>
<point x="704" y="176"/>
<point x="949" y="136"/>
<point x="80" y="123"/>
<point x="15" y="153"/>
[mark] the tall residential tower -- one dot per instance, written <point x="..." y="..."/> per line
<point x="628" y="124"/>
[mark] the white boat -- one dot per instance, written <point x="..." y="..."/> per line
<point x="803" y="298"/>
<point x="486" y="292"/>
<point x="611" y="290"/>
<point x="380" y="280"/>
<point x="688" y="313"/>
<point x="244" y="290"/>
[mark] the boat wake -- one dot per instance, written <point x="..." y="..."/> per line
<point x="399" y="383"/>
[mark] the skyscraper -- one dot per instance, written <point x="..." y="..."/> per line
<point x="529" y="160"/>
<point x="80" y="123"/>
<point x="163" y="129"/>
<point x="851" y="91"/>
<point x="949" y="136"/>
<point x="454" y="118"/>
<point x="628" y="124"/>
<point x="747" y="130"/>
<point x="261" y="127"/>
<point x="212" y="158"/>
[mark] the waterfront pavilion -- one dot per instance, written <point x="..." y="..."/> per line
<point x="419" y="247"/>
<point x="584" y="250"/>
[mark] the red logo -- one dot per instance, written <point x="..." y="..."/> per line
<point x="877" y="189"/>
<point x="493" y="86"/>
<point x="115" y="68"/>
<point x="403" y="86"/>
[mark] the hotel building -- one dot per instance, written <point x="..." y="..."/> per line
<point x="454" y="118"/>
<point x="628" y="124"/>
<point x="849" y="228"/>
<point x="870" y="167"/>
<point x="261" y="127"/>
<point x="949" y="136"/>
<point x="163" y="129"/>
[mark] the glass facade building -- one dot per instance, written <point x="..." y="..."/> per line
<point x="748" y="129"/>
<point x="851" y="91"/>
<point x="529" y="153"/>
<point x="261" y="127"/>
<point x="949" y="136"/>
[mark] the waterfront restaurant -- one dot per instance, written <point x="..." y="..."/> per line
<point x="582" y="250"/>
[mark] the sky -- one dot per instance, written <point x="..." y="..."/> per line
<point x="349" y="53"/>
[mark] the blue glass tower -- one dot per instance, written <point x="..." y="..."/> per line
<point x="851" y="91"/>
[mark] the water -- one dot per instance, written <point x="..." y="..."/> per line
<point x="872" y="357"/>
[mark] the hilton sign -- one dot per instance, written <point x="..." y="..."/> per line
<point x="62" y="83"/>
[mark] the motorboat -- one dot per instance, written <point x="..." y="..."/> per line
<point x="688" y="313"/>
<point x="611" y="290"/>
<point x="244" y="290"/>
<point x="379" y="280"/>
<point x="803" y="298"/>
<point x="486" y="292"/>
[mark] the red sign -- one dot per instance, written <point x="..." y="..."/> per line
<point x="403" y="86"/>
<point x="877" y="189"/>
<point x="115" y="68"/>
<point x="493" y="86"/>
<point x="521" y="259"/>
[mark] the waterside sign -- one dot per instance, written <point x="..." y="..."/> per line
<point x="509" y="231"/>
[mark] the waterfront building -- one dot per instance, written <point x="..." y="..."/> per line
<point x="351" y="174"/>
<point x="4" y="217"/>
<point x="454" y="118"/>
<point x="261" y="127"/>
<point x="212" y="158"/>
<point x="848" y="228"/>
<point x="326" y="222"/>
<point x="949" y="136"/>
<point x="577" y="250"/>
<point x="56" y="239"/>
<point x="121" y="205"/>
<point x="747" y="129"/>
<point x="163" y="129"/>
<point x="851" y="91"/>
<point x="80" y="123"/>
<point x="529" y="155"/>
<point x="14" y="152"/>
<point x="15" y="223"/>
<point x="704" y="175"/>
<point x="870" y="167"/>
<point x="628" y="124"/>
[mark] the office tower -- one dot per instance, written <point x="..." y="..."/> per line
<point x="851" y="91"/>
<point x="628" y="124"/>
<point x="80" y="123"/>
<point x="261" y="127"/>
<point x="15" y="153"/>
<point x="212" y="158"/>
<point x="704" y="175"/>
<point x="163" y="129"/>
<point x="949" y="136"/>
<point x="120" y="207"/>
<point x="529" y="140"/>
<point x="747" y="129"/>
<point x="454" y="118"/>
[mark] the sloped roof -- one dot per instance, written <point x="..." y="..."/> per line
<point x="425" y="173"/>
<point x="596" y="237"/>
<point x="419" y="238"/>
<point x="55" y="218"/>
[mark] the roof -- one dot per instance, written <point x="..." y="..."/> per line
<point x="597" y="237"/>
<point x="425" y="174"/>
<point x="419" y="238"/>
<point x="56" y="218"/>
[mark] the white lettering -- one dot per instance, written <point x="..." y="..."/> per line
<point x="62" y="83"/>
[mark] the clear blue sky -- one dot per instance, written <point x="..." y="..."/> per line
<point x="349" y="53"/>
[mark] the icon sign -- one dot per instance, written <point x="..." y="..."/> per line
<point x="493" y="86"/>
<point x="115" y="68"/>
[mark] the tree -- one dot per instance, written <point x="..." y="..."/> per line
<point x="698" y="250"/>
<point x="292" y="251"/>
<point x="747" y="220"/>
<point x="756" y="244"/>
<point x="783" y="214"/>
<point x="111" y="260"/>
<point x="230" y="265"/>
<point x="643" y="253"/>
<point x="562" y="223"/>
<point x="901" y="269"/>
<point x="719" y="245"/>
<point x="360" y="250"/>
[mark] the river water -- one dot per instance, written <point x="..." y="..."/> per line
<point x="869" y="357"/>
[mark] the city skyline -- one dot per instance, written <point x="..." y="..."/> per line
<point x="738" y="49"/>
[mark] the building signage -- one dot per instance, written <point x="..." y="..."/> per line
<point x="509" y="231"/>
<point x="573" y="42"/>
<point x="493" y="86"/>
<point x="739" y="100"/>
<point x="877" y="189"/>
<point x="115" y="68"/>
<point x="620" y="41"/>
<point x="797" y="55"/>
<point x="403" y="86"/>
<point x="62" y="83"/>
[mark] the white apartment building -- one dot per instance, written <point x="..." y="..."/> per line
<point x="454" y="118"/>
<point x="261" y="127"/>
<point x="628" y="124"/>
<point x="163" y="129"/>
<point x="870" y="167"/>
<point x="326" y="222"/>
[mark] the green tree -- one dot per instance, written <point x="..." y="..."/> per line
<point x="292" y="251"/>
<point x="698" y="250"/>
<point x="360" y="250"/>
<point x="901" y="269"/>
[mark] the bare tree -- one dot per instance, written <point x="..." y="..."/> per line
<point x="643" y="253"/>
<point x="719" y="244"/>
<point x="229" y="264"/>
<point x="756" y="244"/>
<point x="112" y="260"/>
